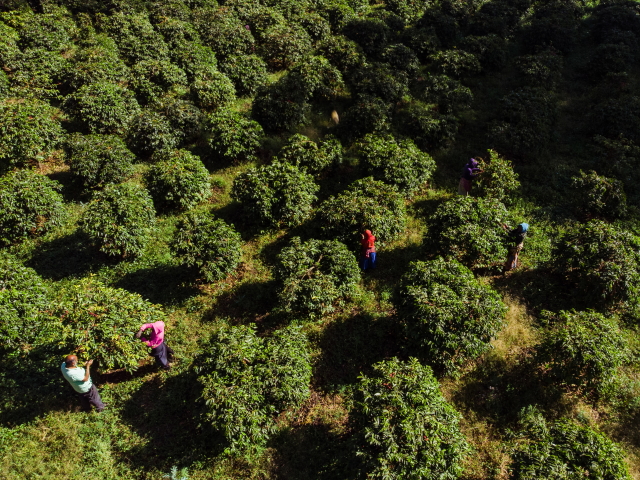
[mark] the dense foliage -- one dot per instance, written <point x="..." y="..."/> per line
<point x="398" y="163"/>
<point x="248" y="380"/>
<point x="583" y="350"/>
<point x="405" y="427"/>
<point x="275" y="195"/>
<point x="30" y="205"/>
<point x="209" y="244"/>
<point x="177" y="180"/>
<point x="97" y="160"/>
<point x="119" y="219"/>
<point x="599" y="196"/>
<point x="497" y="180"/>
<point x="600" y="261"/>
<point x="315" y="157"/>
<point x="233" y="137"/>
<point x="30" y="132"/>
<point x="448" y="315"/>
<point x="365" y="204"/>
<point x="100" y="323"/>
<point x="470" y="230"/>
<point x="24" y="298"/>
<point x="564" y="450"/>
<point x="315" y="275"/>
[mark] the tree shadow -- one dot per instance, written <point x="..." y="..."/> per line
<point x="350" y="346"/>
<point x="313" y="451"/>
<point x="163" y="284"/>
<point x="248" y="302"/>
<point x="166" y="411"/>
<point x="68" y="256"/>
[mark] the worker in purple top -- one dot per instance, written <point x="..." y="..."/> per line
<point x="469" y="172"/>
<point x="159" y="348"/>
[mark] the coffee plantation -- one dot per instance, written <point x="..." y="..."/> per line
<point x="214" y="164"/>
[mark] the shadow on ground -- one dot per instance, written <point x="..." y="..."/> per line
<point x="247" y="302"/>
<point x="68" y="256"/>
<point x="350" y="346"/>
<point x="165" y="410"/>
<point x="164" y="284"/>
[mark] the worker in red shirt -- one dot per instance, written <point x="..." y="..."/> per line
<point x="159" y="348"/>
<point x="368" y="251"/>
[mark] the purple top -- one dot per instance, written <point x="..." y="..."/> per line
<point x="469" y="172"/>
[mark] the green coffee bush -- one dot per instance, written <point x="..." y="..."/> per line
<point x="450" y="95"/>
<point x="469" y="230"/>
<point x="185" y="118"/>
<point x="398" y="163"/>
<point x="150" y="79"/>
<point x="367" y="115"/>
<point x="96" y="60"/>
<point x="177" y="180"/>
<point x="102" y="107"/>
<point x="248" y="380"/>
<point x="314" y="78"/>
<point x="365" y="204"/>
<point x="542" y="69"/>
<point x="97" y="160"/>
<point x="371" y="34"/>
<point x="497" y="180"/>
<point x="316" y="26"/>
<point x="379" y="80"/>
<point x="212" y="89"/>
<point x="491" y="50"/>
<point x="37" y="72"/>
<point x="529" y="115"/>
<point x="600" y="263"/>
<point x="449" y="317"/>
<point x="30" y="205"/>
<point x="345" y="54"/>
<point x="151" y="131"/>
<point x="119" y="219"/>
<point x="24" y="298"/>
<point x="456" y="63"/>
<point x="29" y="132"/>
<point x="280" y="106"/>
<point x="616" y="117"/>
<point x="429" y="129"/>
<point x="304" y="153"/>
<point x="599" y="196"/>
<point x="223" y="31"/>
<point x="233" y="137"/>
<point x="583" y="350"/>
<point x="50" y="31"/>
<point x="283" y="44"/>
<point x="564" y="450"/>
<point x="100" y="322"/>
<point x="247" y="72"/>
<point x="404" y="426"/>
<point x="209" y="244"/>
<point x="401" y="57"/>
<point x="276" y="195"/>
<point x="135" y="36"/>
<point x="314" y="276"/>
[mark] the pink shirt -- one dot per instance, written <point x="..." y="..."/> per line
<point x="157" y="333"/>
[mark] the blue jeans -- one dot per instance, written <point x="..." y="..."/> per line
<point x="366" y="263"/>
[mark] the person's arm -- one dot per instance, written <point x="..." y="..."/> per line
<point x="86" y="371"/>
<point x="143" y="328"/>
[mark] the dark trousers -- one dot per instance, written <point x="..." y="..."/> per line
<point x="92" y="397"/>
<point x="161" y="354"/>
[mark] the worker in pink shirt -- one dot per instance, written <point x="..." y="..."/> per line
<point x="159" y="348"/>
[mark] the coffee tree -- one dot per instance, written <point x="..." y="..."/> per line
<point x="314" y="276"/>
<point x="177" y="180"/>
<point x="470" y="230"/>
<point x="233" y="137"/>
<point x="449" y="317"/>
<point x="564" y="449"/>
<point x="599" y="196"/>
<point x="583" y="350"/>
<point x="97" y="160"/>
<point x="365" y="204"/>
<point x="497" y="180"/>
<point x="248" y="380"/>
<point x="600" y="263"/>
<point x="30" y="205"/>
<point x="398" y="163"/>
<point x="304" y="153"/>
<point x="100" y="322"/>
<point x="209" y="244"/>
<point x="404" y="427"/>
<point x="24" y="299"/>
<point x="29" y="132"/>
<point x="102" y="107"/>
<point x="247" y="72"/>
<point x="119" y="219"/>
<point x="276" y="195"/>
<point x="151" y="131"/>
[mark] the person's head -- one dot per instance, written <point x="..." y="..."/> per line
<point x="367" y="233"/>
<point x="71" y="361"/>
<point x="473" y="162"/>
